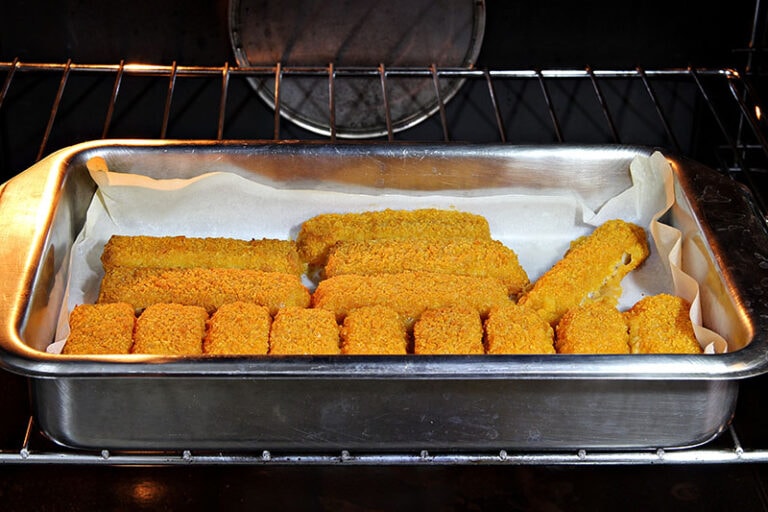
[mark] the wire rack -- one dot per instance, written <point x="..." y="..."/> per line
<point x="711" y="115"/>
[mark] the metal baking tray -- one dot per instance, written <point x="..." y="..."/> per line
<point x="384" y="403"/>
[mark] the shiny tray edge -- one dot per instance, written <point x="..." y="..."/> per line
<point x="735" y="248"/>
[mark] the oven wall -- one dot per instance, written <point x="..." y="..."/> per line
<point x="545" y="33"/>
<point x="554" y="34"/>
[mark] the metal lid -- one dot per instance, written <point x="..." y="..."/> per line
<point x="356" y="34"/>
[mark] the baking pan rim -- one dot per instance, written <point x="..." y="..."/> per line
<point x="17" y="357"/>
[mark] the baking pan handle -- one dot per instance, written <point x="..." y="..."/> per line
<point x="27" y="206"/>
<point x="733" y="225"/>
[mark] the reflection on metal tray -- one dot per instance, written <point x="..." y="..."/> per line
<point x="445" y="33"/>
<point x="369" y="403"/>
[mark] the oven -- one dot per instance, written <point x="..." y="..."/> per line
<point x="659" y="76"/>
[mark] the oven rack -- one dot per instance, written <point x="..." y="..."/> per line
<point x="711" y="115"/>
<point x="727" y="449"/>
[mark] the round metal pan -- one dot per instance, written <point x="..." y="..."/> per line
<point x="352" y="35"/>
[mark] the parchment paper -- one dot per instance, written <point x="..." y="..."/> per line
<point x="539" y="228"/>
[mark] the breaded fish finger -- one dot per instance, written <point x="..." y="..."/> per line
<point x="594" y="328"/>
<point x="170" y="329"/>
<point x="451" y="330"/>
<point x="318" y="234"/>
<point x="205" y="287"/>
<point x="298" y="331"/>
<point x="100" y="329"/>
<point x="238" y="328"/>
<point x="661" y="324"/>
<point x="481" y="258"/>
<point x="592" y="269"/>
<point x="515" y="329"/>
<point x="268" y="255"/>
<point x="374" y="330"/>
<point x="408" y="293"/>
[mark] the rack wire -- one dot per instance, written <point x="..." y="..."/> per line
<point x="726" y="450"/>
<point x="711" y="115"/>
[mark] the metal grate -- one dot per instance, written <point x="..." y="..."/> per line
<point x="34" y="449"/>
<point x="710" y="115"/>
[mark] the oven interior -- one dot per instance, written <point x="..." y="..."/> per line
<point x="650" y="74"/>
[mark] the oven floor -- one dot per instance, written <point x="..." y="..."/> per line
<point x="385" y="488"/>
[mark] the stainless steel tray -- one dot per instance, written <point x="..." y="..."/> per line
<point x="371" y="403"/>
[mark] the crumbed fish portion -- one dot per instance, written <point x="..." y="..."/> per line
<point x="591" y="270"/>
<point x="451" y="330"/>
<point x="374" y="330"/>
<point x="299" y="331"/>
<point x="318" y="234"/>
<point x="100" y="329"/>
<point x="408" y="293"/>
<point x="209" y="288"/>
<point x="480" y="258"/>
<point x="661" y="324"/>
<point x="594" y="328"/>
<point x="170" y="329"/>
<point x="238" y="328"/>
<point x="266" y="254"/>
<point x="515" y="329"/>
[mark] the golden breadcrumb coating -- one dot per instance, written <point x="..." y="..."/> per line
<point x="661" y="324"/>
<point x="408" y="293"/>
<point x="451" y="330"/>
<point x="515" y="329"/>
<point x="481" y="258"/>
<point x="268" y="255"/>
<point x="299" y="331"/>
<point x="374" y="330"/>
<point x="100" y="329"/>
<point x="591" y="270"/>
<point x="594" y="328"/>
<point x="318" y="234"/>
<point x="206" y="287"/>
<point x="238" y="328"/>
<point x="170" y="329"/>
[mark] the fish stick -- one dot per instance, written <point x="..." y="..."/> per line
<point x="268" y="255"/>
<point x="238" y="328"/>
<point x="591" y="270"/>
<point x="205" y="287"/>
<point x="170" y="329"/>
<point x="374" y="330"/>
<point x="661" y="324"/>
<point x="318" y="234"/>
<point x="480" y="258"/>
<point x="408" y="293"/>
<point x="515" y="329"/>
<point x="451" y="330"/>
<point x="100" y="329"/>
<point x="594" y="328"/>
<point x="299" y="331"/>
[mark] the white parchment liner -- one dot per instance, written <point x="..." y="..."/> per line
<point x="537" y="227"/>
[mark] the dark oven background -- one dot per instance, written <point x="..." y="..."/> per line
<point x="547" y="33"/>
<point x="647" y="74"/>
<point x="45" y="109"/>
